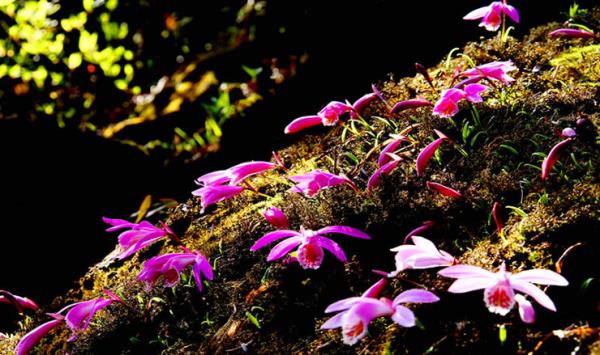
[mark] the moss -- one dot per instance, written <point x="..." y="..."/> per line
<point x="493" y="159"/>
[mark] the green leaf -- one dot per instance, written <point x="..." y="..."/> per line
<point x="253" y="319"/>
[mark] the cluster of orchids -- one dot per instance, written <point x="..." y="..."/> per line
<point x="502" y="289"/>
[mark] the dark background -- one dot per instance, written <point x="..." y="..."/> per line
<point x="55" y="185"/>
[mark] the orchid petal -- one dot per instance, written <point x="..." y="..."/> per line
<point x="526" y="311"/>
<point x="511" y="12"/>
<point x="30" y="340"/>
<point x="386" y="169"/>
<point x="283" y="248"/>
<point x="374" y="290"/>
<point x="538" y="295"/>
<point x="360" y="104"/>
<point x="571" y="33"/>
<point x="461" y="271"/>
<point x="273" y="236"/>
<point x="426" y="225"/>
<point x="404" y="317"/>
<point x="349" y="231"/>
<point x="540" y="276"/>
<point x="333" y="247"/>
<point x="342" y="305"/>
<point x="242" y="171"/>
<point x="471" y="284"/>
<point x="477" y="13"/>
<point x="415" y="295"/>
<point x="333" y="322"/>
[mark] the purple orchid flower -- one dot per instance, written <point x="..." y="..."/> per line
<point x="447" y="105"/>
<point x="138" y="236"/>
<point x="359" y="105"/>
<point x="170" y="266"/>
<point x="31" y="339"/>
<point x="428" y="152"/>
<point x="276" y="218"/>
<point x="80" y="314"/>
<point x="357" y="312"/>
<point x="20" y="303"/>
<point x="491" y="15"/>
<point x="422" y="255"/>
<point x="235" y="174"/>
<point x="312" y="182"/>
<point x="553" y="157"/>
<point x="209" y="195"/>
<point x="571" y="33"/>
<point x="443" y="190"/>
<point x="493" y="71"/>
<point x="77" y="319"/>
<point x="328" y="116"/>
<point x="385" y="169"/>
<point x="425" y="226"/>
<point x="410" y="104"/>
<point x="499" y="287"/>
<point x="310" y="244"/>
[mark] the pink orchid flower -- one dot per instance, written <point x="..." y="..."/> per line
<point x="493" y="71"/>
<point x="571" y="33"/>
<point x="20" y="303"/>
<point x="357" y="312"/>
<point x="310" y="244"/>
<point x="170" y="266"/>
<point x="235" y="174"/>
<point x="138" y="236"/>
<point x="491" y="15"/>
<point x="312" y="182"/>
<point x="428" y="152"/>
<point x="553" y="157"/>
<point x="499" y="287"/>
<point x="80" y="314"/>
<point x="31" y="339"/>
<point x="211" y="194"/>
<point x="276" y="218"/>
<point x="443" y="190"/>
<point x="447" y="105"/>
<point x="77" y="319"/>
<point x="410" y="104"/>
<point x="422" y="255"/>
<point x="328" y="116"/>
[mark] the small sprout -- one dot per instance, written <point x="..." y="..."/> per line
<point x="499" y="287"/>
<point x="492" y="16"/>
<point x="310" y="244"/>
<point x="169" y="266"/>
<point x="312" y="182"/>
<point x="422" y="255"/>
<point x="502" y="334"/>
<point x="444" y="190"/>
<point x="553" y="157"/>
<point x="276" y="218"/>
<point x="253" y="319"/>
<point x="357" y="312"/>
<point x="571" y="33"/>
